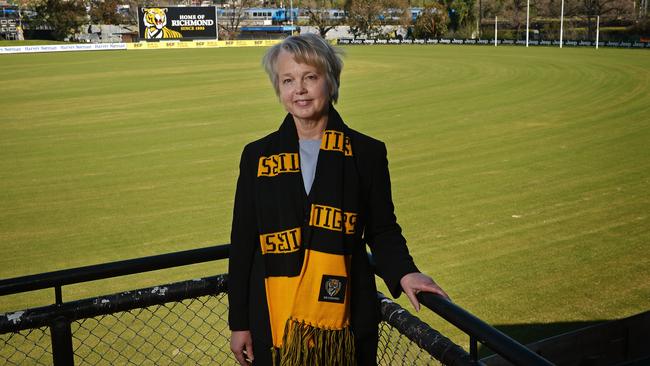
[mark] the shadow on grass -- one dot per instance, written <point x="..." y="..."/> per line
<point x="583" y="343"/>
<point x="529" y="333"/>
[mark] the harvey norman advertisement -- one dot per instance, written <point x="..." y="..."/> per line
<point x="171" y="22"/>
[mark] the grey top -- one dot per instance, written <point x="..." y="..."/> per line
<point x="308" y="158"/>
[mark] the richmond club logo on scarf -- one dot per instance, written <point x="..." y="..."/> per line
<point x="332" y="289"/>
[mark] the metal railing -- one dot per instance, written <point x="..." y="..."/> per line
<point x="481" y="332"/>
<point x="58" y="279"/>
<point x="125" y="322"/>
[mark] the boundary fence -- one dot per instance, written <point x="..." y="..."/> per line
<point x="186" y="322"/>
<point x="162" y="45"/>
<point x="491" y="42"/>
<point x="170" y="45"/>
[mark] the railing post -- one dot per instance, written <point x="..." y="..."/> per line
<point x="61" y="333"/>
<point x="58" y="296"/>
<point x="473" y="348"/>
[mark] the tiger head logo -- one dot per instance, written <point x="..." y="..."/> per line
<point x="333" y="286"/>
<point x="155" y="17"/>
<point x="155" y="22"/>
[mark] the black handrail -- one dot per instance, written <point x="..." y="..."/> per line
<point x="497" y="341"/>
<point x="459" y="317"/>
<point x="113" y="303"/>
<point x="112" y="269"/>
<point x="427" y="338"/>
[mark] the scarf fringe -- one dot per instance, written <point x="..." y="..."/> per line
<point x="304" y="344"/>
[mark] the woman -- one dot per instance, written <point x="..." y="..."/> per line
<point x="309" y="197"/>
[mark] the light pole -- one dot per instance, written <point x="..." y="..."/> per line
<point x="527" y="20"/>
<point x="561" y="23"/>
<point x="597" y="30"/>
<point x="496" y="19"/>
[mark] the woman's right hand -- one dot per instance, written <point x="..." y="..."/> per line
<point x="241" y="344"/>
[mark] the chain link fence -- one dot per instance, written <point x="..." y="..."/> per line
<point x="396" y="349"/>
<point x="161" y="326"/>
<point x="188" y="332"/>
<point x="26" y="347"/>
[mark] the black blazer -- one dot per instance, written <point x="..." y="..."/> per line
<point x="246" y="293"/>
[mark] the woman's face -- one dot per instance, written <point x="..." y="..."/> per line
<point x="303" y="89"/>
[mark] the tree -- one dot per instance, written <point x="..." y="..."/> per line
<point x="319" y="15"/>
<point x="399" y="9"/>
<point x="366" y="17"/>
<point x="548" y="8"/>
<point x="492" y="8"/>
<point x="363" y="17"/>
<point x="517" y="9"/>
<point x="233" y="17"/>
<point x="461" y="14"/>
<point x="64" y="16"/>
<point x="591" y="9"/>
<point x="432" y="22"/>
<point x="642" y="11"/>
<point x="105" y="12"/>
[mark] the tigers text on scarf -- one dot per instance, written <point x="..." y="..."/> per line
<point x="306" y="243"/>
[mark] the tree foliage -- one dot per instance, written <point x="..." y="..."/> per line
<point x="461" y="13"/>
<point x="230" y="28"/>
<point x="105" y="12"/>
<point x="591" y="9"/>
<point x="363" y="17"/>
<point x="366" y="17"/>
<point x="432" y="22"/>
<point x="399" y="9"/>
<point x="64" y="16"/>
<point x="319" y="16"/>
<point x="517" y="10"/>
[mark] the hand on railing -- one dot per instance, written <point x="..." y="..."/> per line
<point x="414" y="283"/>
<point x="482" y="332"/>
<point x="241" y="345"/>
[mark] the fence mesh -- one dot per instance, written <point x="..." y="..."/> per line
<point x="395" y="349"/>
<point x="189" y="332"/>
<point x="193" y="331"/>
<point x="27" y="347"/>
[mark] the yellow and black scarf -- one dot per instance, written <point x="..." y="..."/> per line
<point x="306" y="242"/>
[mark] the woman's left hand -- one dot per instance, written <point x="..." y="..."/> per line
<point x="416" y="282"/>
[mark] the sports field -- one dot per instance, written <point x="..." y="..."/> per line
<point x="521" y="177"/>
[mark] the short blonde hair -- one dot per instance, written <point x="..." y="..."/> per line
<point x="310" y="49"/>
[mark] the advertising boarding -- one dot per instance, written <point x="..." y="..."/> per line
<point x="175" y="22"/>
